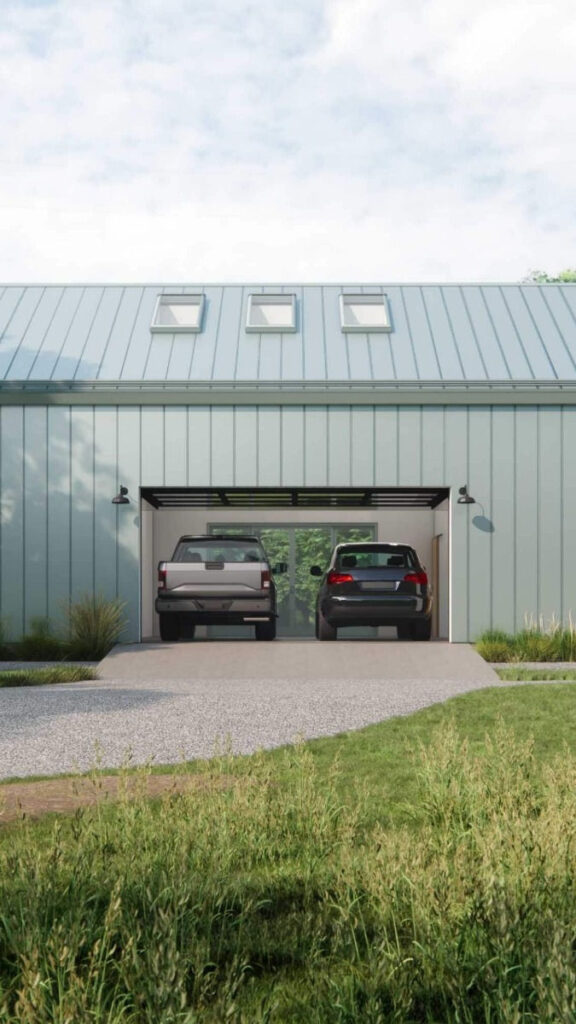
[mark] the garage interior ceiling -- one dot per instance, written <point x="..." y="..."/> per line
<point x="294" y="497"/>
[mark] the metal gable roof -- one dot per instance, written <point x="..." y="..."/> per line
<point x="444" y="334"/>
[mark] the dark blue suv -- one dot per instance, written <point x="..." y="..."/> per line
<point x="374" y="584"/>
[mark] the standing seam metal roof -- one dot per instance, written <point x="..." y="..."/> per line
<point x="441" y="333"/>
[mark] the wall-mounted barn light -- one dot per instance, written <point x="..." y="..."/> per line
<point x="465" y="498"/>
<point x="121" y="498"/>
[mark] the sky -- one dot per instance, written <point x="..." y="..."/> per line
<point x="324" y="140"/>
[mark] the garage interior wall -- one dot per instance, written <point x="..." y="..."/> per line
<point x="161" y="529"/>
<point x="513" y="554"/>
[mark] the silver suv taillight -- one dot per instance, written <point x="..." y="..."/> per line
<point x="265" y="580"/>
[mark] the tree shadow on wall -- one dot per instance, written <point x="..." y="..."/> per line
<point x="60" y="535"/>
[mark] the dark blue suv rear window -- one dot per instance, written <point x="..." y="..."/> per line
<point x="376" y="556"/>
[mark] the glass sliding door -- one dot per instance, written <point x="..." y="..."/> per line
<point x="300" y="547"/>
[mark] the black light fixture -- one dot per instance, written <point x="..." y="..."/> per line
<point x="465" y="498"/>
<point x="121" y="498"/>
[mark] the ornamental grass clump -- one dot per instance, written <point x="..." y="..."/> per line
<point x="539" y="640"/>
<point x="95" y="624"/>
<point x="258" y="895"/>
<point x="546" y="641"/>
<point x="495" y="645"/>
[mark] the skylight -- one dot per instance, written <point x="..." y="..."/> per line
<point x="364" y="313"/>
<point x="271" y="313"/>
<point x="176" y="313"/>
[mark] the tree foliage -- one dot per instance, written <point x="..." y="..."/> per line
<point x="567" y="276"/>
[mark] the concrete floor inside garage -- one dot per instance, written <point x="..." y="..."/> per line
<point x="424" y="528"/>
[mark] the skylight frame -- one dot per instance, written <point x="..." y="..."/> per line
<point x="259" y="299"/>
<point x="197" y="299"/>
<point x="376" y="299"/>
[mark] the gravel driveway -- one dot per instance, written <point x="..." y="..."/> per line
<point x="168" y="702"/>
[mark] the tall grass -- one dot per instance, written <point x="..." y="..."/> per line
<point x="540" y="640"/>
<point x="95" y="624"/>
<point x="256" y="896"/>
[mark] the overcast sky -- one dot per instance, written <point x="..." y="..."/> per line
<point x="309" y="140"/>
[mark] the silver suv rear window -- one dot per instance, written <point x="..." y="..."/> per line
<point x="219" y="551"/>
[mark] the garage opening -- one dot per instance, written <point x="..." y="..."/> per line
<point x="298" y="526"/>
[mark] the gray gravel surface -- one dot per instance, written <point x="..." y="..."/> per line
<point x="167" y="703"/>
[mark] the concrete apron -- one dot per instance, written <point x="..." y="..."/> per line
<point x="297" y="660"/>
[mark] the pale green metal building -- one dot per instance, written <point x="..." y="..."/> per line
<point x="289" y="408"/>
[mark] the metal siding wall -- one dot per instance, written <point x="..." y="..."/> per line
<point x="199" y="445"/>
<point x="12" y="519"/>
<point x="269" y="448"/>
<point x="513" y="554"/>
<point x="128" y="518"/>
<point x="35" y="514"/>
<point x="339" y="446"/>
<point x="410" y="446"/>
<point x="58" y="508"/>
<point x="176" y="433"/>
<point x="433" y="446"/>
<point x="105" y="487"/>
<point x="386" y="447"/>
<point x="456" y="464"/>
<point x="568" y="507"/>
<point x="292" y="445"/>
<point x="502" y="514"/>
<point x="526" y="533"/>
<point x="362" y="421"/>
<point x="246" y="445"/>
<point x="153" y="448"/>
<point x="222" y="464"/>
<point x="479" y="540"/>
<point x="82" y="522"/>
<point x="316" y="446"/>
<point x="550" y="546"/>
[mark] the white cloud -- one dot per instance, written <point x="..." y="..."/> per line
<point x="350" y="139"/>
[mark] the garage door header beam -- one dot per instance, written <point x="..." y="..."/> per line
<point x="290" y="497"/>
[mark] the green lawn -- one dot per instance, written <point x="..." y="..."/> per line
<point x="59" y="673"/>
<point x="417" y="870"/>
<point x="379" y="757"/>
<point x="526" y="675"/>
